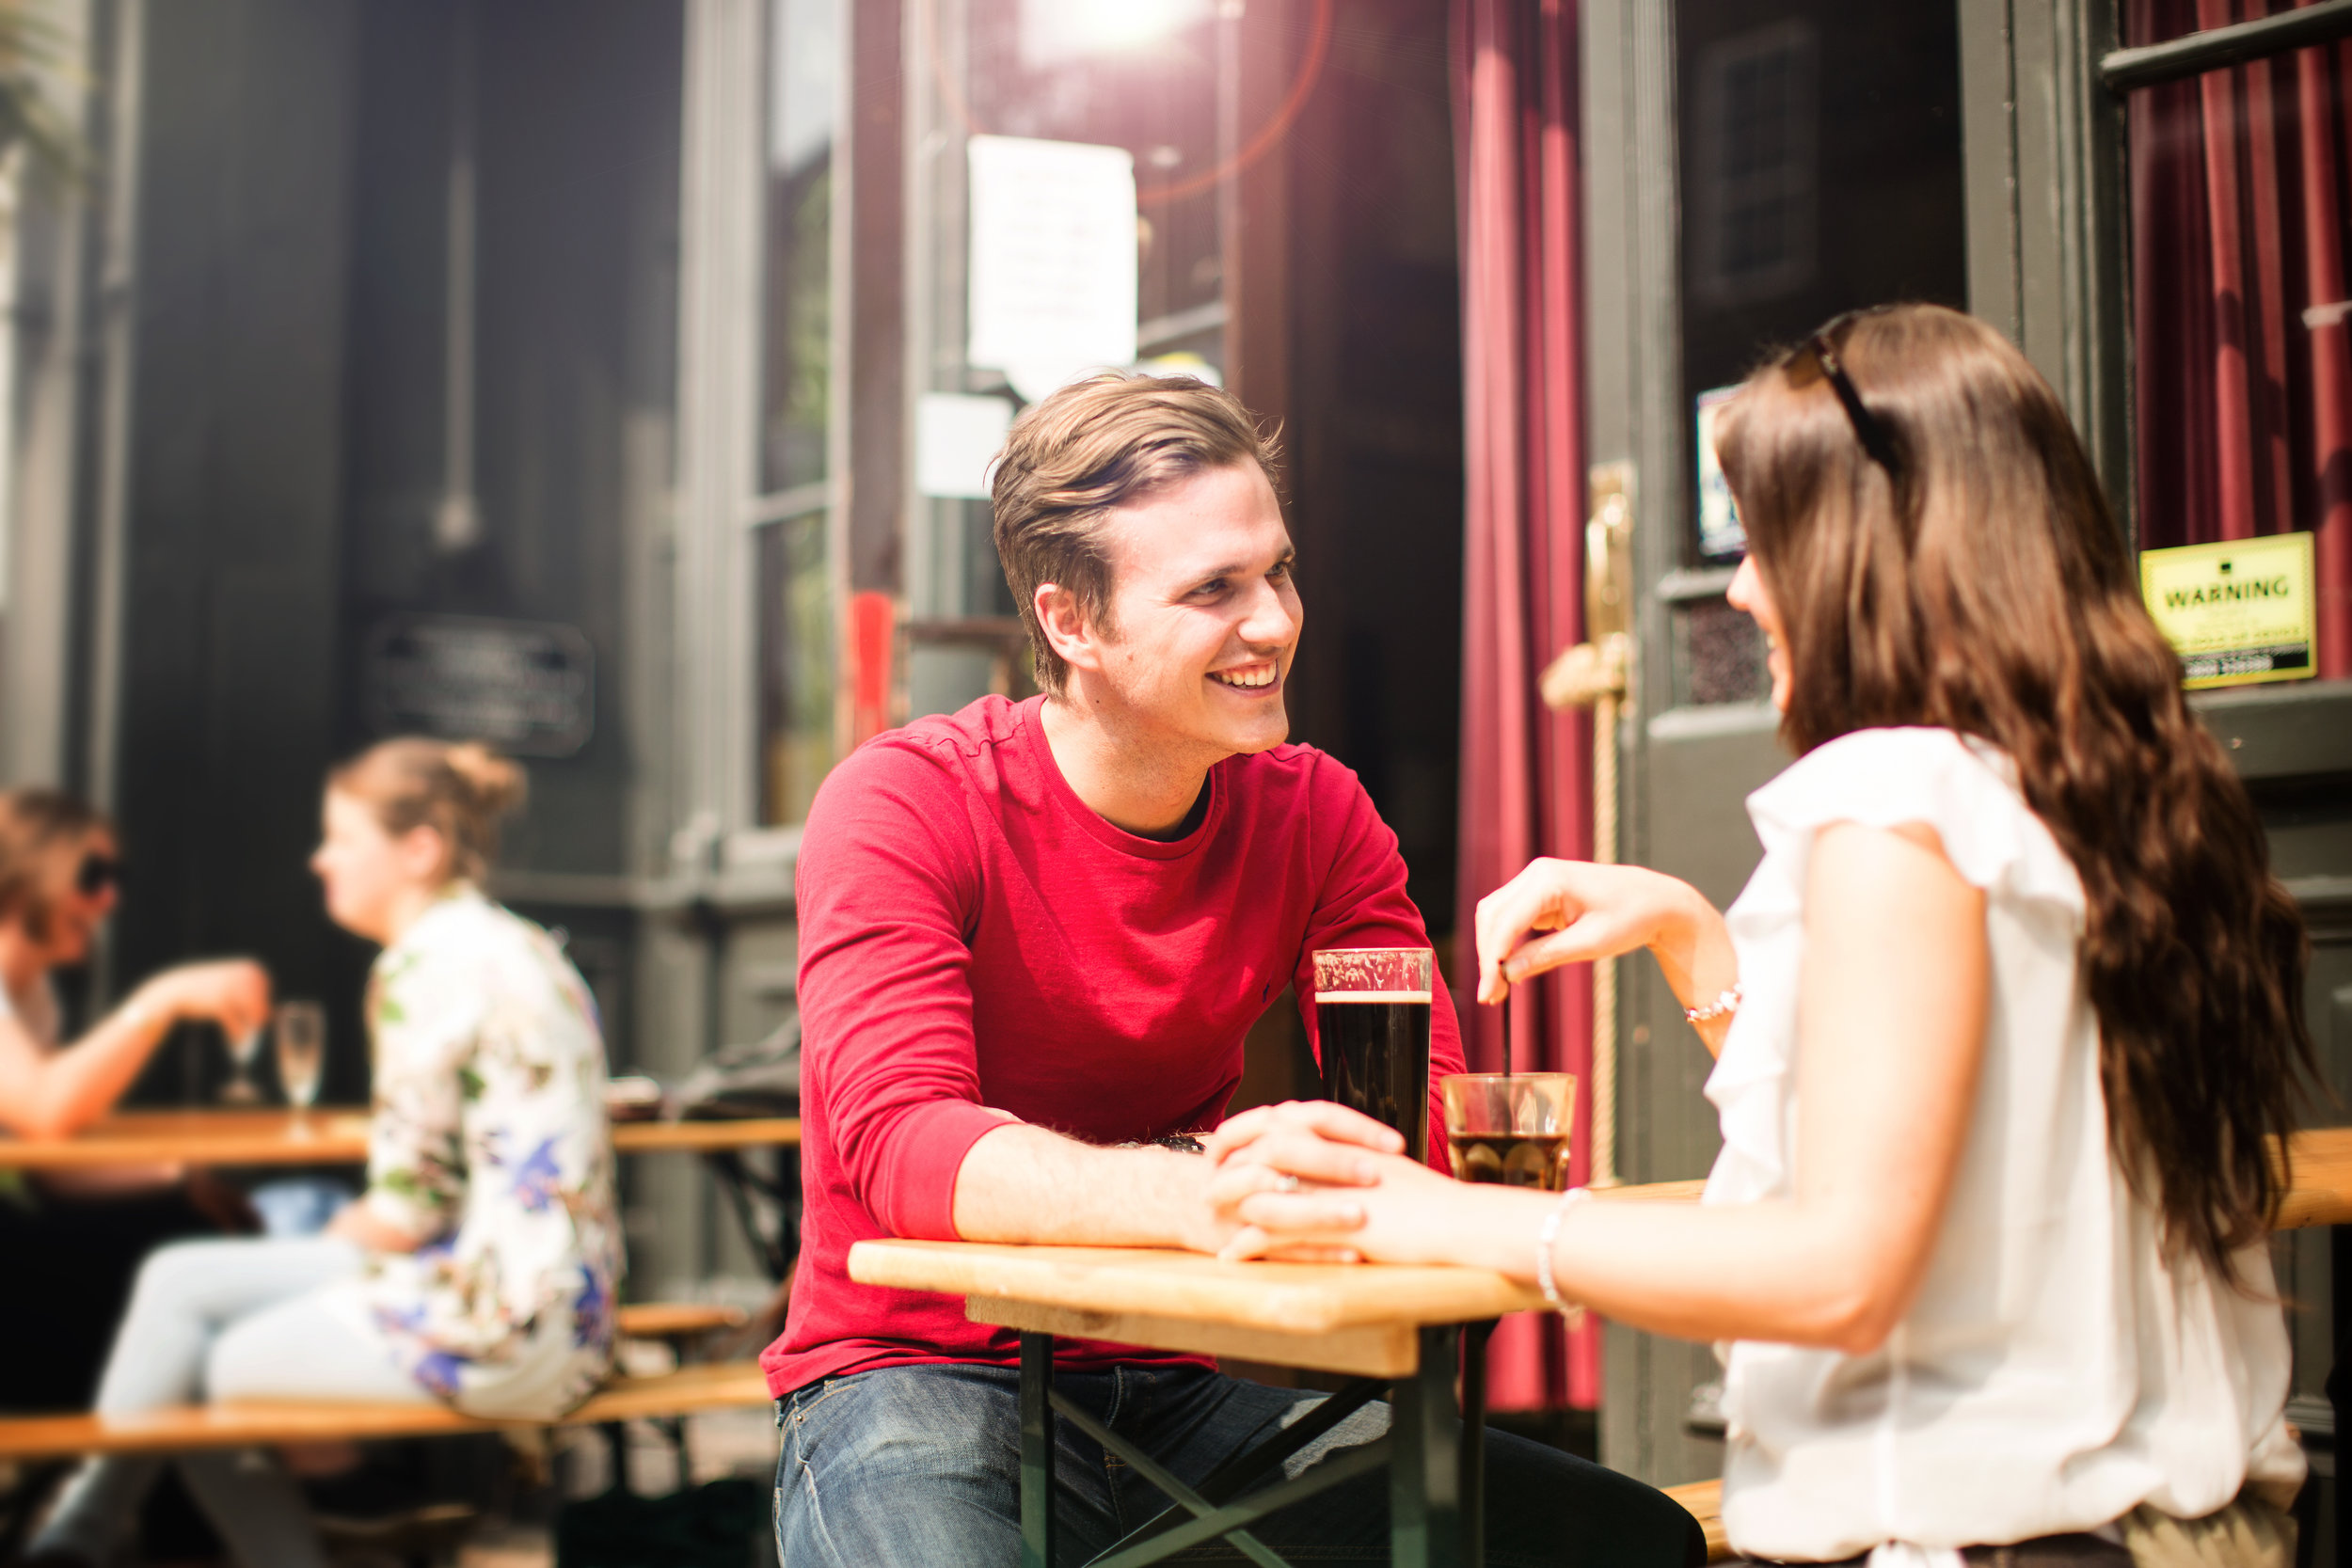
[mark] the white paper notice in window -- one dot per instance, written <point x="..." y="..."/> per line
<point x="1053" y="281"/>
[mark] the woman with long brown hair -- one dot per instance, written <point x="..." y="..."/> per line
<point x="2005" y="1019"/>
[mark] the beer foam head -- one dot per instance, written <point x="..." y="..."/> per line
<point x="1375" y="969"/>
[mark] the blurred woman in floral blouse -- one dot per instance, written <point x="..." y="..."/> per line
<point x="480" y="1266"/>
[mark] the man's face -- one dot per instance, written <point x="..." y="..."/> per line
<point x="1204" y="617"/>
<point x="77" y="904"/>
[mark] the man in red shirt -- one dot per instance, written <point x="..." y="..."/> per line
<point x="1032" y="937"/>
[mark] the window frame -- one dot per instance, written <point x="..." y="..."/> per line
<point x="714" y="794"/>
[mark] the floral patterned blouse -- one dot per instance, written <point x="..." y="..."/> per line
<point x="490" y="1138"/>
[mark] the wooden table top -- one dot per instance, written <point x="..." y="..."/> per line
<point x="327" y="1136"/>
<point x="1291" y="1298"/>
<point x="1361" y="1318"/>
<point x="2321" y="1162"/>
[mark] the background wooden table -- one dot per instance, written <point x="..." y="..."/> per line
<point x="329" y="1135"/>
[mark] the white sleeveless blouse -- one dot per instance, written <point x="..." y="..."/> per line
<point x="2057" y="1369"/>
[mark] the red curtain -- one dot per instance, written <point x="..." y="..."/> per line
<point x="2243" y="359"/>
<point x="1526" y="772"/>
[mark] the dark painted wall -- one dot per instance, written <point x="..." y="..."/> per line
<point x="286" y="431"/>
<point x="1375" y="433"/>
<point x="234" y="480"/>
<point x="577" y="148"/>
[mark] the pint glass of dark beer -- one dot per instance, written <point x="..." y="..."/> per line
<point x="1372" y="1015"/>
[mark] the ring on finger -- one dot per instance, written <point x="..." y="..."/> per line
<point x="1286" y="1184"/>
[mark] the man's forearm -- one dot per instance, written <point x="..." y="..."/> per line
<point x="1022" y="1183"/>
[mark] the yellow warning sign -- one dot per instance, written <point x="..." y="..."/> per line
<point x="2237" y="613"/>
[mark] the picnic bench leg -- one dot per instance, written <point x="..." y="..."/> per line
<point x="616" y="1446"/>
<point x="1037" y="1450"/>
<point x="1425" y="1466"/>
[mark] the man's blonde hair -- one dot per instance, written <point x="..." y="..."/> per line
<point x="1093" y="446"/>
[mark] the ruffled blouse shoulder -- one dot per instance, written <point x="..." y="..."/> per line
<point x="1962" y="788"/>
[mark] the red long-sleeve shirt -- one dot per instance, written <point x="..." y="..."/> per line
<point x="972" y="935"/>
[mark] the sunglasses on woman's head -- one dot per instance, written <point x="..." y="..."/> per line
<point x="1866" y="428"/>
<point x="97" y="874"/>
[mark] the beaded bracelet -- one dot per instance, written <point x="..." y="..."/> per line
<point x="1725" y="1002"/>
<point x="1545" y="1238"/>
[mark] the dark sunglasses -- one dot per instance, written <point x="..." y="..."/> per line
<point x="1821" y="348"/>
<point x="97" y="874"/>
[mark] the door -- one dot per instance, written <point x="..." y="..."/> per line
<point x="1754" y="168"/>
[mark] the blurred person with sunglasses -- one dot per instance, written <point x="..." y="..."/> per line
<point x="81" y="1233"/>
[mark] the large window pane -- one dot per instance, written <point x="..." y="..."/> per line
<point x="796" y="666"/>
<point x="803" y="103"/>
<point x="1141" y="75"/>
<point x="1820" y="171"/>
<point x="2242" y="351"/>
<point x="795" y="581"/>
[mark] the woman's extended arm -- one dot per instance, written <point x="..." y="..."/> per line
<point x="54" y="1095"/>
<point x="1892" y="1015"/>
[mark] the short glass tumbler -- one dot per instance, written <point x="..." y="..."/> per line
<point x="1510" y="1129"/>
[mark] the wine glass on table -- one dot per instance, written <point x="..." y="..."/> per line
<point x="244" y="1050"/>
<point x="301" y="1054"/>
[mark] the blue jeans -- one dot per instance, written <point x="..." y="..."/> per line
<point x="920" y="1466"/>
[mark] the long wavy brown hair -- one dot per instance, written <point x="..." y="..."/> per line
<point x="1971" y="576"/>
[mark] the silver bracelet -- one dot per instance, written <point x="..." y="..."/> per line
<point x="1545" y="1237"/>
<point x="1726" y="1001"/>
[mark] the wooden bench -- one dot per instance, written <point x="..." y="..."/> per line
<point x="671" y="1321"/>
<point x="689" y="1390"/>
<point x="686" y="1391"/>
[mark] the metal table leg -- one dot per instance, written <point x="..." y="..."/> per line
<point x="1435" y="1458"/>
<point x="1474" y="1338"/>
<point x="1037" y="1450"/>
<point x="2340" y="1378"/>
<point x="1425" y="1466"/>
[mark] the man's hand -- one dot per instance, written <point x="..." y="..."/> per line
<point x="1275" y="1149"/>
<point x="1406" y="1213"/>
<point x="1314" y="1140"/>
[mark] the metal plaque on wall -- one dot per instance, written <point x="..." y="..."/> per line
<point x="524" y="687"/>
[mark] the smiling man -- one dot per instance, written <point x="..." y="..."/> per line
<point x="1032" y="937"/>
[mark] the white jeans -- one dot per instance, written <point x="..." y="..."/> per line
<point x="229" y="1320"/>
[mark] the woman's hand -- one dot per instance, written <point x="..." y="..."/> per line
<point x="232" y="992"/>
<point x="1592" y="912"/>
